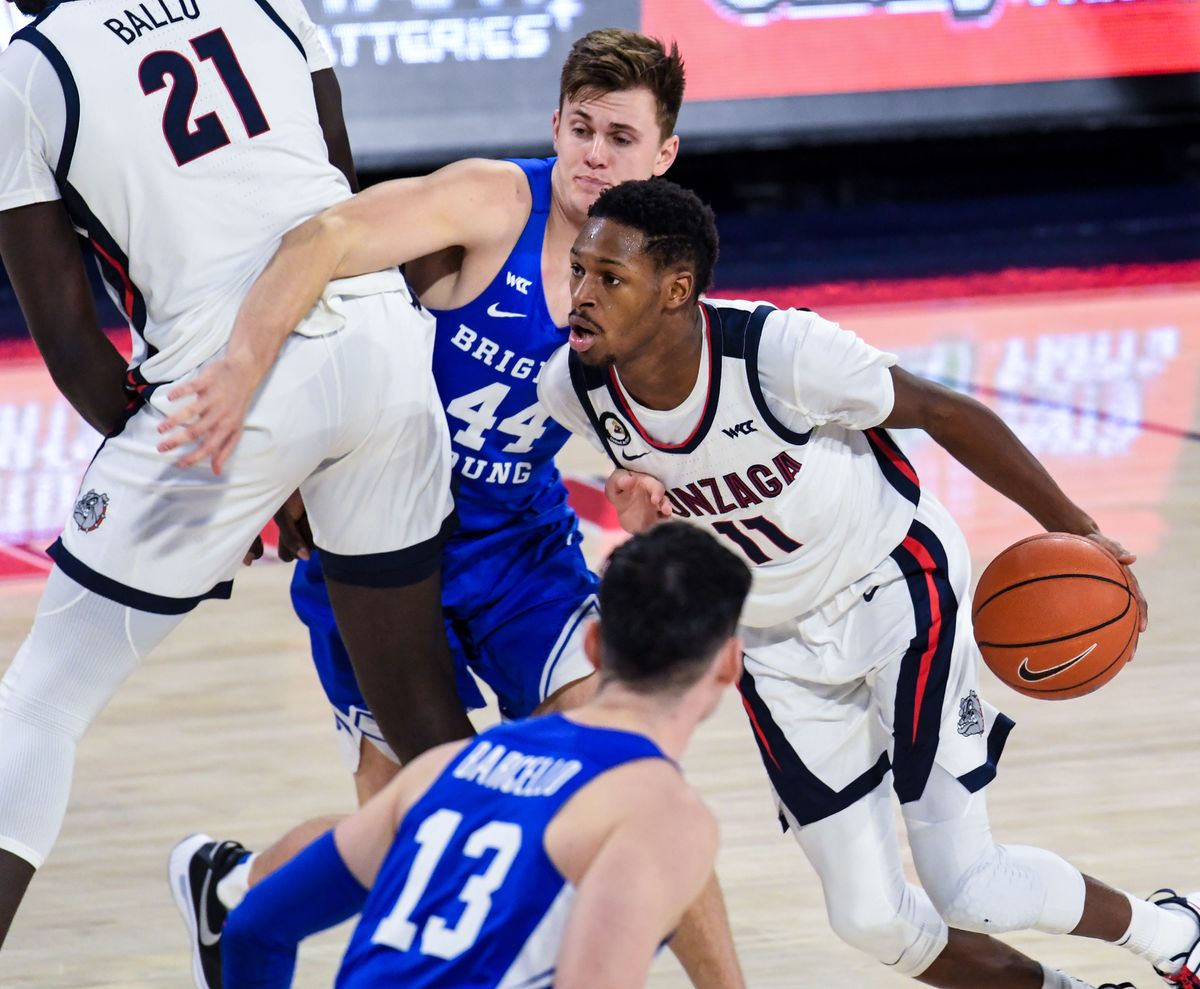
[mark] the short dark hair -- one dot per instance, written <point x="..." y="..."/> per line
<point x="612" y="59"/>
<point x="669" y="599"/>
<point x="676" y="225"/>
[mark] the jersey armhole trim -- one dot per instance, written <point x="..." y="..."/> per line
<point x="282" y="25"/>
<point x="32" y="36"/>
<point x="754" y="330"/>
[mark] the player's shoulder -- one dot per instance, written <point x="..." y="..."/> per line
<point x="653" y="791"/>
<point x="491" y="198"/>
<point x="417" y="776"/>
<point x="652" y="801"/>
<point x="29" y="84"/>
<point x="20" y="59"/>
<point x="503" y="181"/>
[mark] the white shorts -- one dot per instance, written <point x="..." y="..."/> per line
<point x="351" y="418"/>
<point x="885" y="679"/>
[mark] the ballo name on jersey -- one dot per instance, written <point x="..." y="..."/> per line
<point x="132" y="26"/>
<point x="486" y="350"/>
<point x="707" y="496"/>
<point x="498" y="768"/>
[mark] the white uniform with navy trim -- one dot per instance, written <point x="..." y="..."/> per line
<point x="184" y="141"/>
<point x="861" y="579"/>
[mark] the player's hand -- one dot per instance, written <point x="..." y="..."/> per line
<point x="640" y="500"/>
<point x="214" y="418"/>
<point x="295" y="537"/>
<point x="255" y="552"/>
<point x="1125" y="558"/>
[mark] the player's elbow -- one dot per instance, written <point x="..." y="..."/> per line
<point x="326" y="238"/>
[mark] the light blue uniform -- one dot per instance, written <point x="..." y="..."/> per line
<point x="467" y="896"/>
<point x="516" y="589"/>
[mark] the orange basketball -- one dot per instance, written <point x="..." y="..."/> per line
<point x="1055" y="616"/>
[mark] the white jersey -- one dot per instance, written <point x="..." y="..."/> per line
<point x="183" y="139"/>
<point x="776" y="449"/>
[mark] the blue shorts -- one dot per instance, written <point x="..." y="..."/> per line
<point x="515" y="604"/>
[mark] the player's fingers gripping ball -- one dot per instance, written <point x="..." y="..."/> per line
<point x="1055" y="616"/>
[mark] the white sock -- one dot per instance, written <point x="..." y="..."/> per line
<point x="1159" y="933"/>
<point x="232" y="889"/>
<point x="1052" y="978"/>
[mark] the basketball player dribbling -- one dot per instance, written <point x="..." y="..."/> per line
<point x="572" y="840"/>
<point x="184" y="147"/>
<point x="769" y="427"/>
<point x="485" y="243"/>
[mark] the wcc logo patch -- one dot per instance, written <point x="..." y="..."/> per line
<point x="615" y="430"/>
<point x="970" y="715"/>
<point x="90" y="511"/>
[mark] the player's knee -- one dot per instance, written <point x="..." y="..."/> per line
<point x="905" y="934"/>
<point x="80" y="650"/>
<point x="1008" y="888"/>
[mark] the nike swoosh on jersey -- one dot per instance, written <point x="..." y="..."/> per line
<point x="1033" y="676"/>
<point x="493" y="310"/>
<point x="635" y="456"/>
<point x="867" y="595"/>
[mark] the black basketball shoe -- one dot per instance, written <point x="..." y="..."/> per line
<point x="195" y="867"/>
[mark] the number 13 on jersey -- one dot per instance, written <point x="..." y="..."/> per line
<point x="433" y="837"/>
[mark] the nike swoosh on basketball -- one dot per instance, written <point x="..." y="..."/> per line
<point x="501" y="314"/>
<point x="207" y="937"/>
<point x="635" y="456"/>
<point x="1033" y="676"/>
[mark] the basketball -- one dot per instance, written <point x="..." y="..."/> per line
<point x="1055" y="616"/>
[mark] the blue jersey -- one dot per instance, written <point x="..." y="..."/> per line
<point x="467" y="896"/>
<point x="486" y="360"/>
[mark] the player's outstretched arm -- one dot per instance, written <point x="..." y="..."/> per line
<point x="386" y="225"/>
<point x="650" y="868"/>
<point x="981" y="441"/>
<point x="41" y="253"/>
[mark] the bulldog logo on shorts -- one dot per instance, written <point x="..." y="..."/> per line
<point x="90" y="511"/>
<point x="970" y="715"/>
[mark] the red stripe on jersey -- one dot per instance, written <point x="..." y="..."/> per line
<point x="897" y="459"/>
<point x="612" y="373"/>
<point x="935" y="626"/>
<point x="124" y="277"/>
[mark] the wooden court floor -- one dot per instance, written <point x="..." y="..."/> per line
<point x="224" y="728"/>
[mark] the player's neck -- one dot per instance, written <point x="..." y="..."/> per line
<point x="663" y="374"/>
<point x="669" y="721"/>
<point x="562" y="225"/>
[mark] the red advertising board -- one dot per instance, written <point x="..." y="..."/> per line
<point x="738" y="49"/>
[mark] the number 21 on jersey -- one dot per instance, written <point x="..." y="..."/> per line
<point x="433" y="837"/>
<point x="188" y="139"/>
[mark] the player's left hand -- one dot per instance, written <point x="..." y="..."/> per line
<point x="1125" y="558"/>
<point x="214" y="418"/>
<point x="640" y="500"/>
